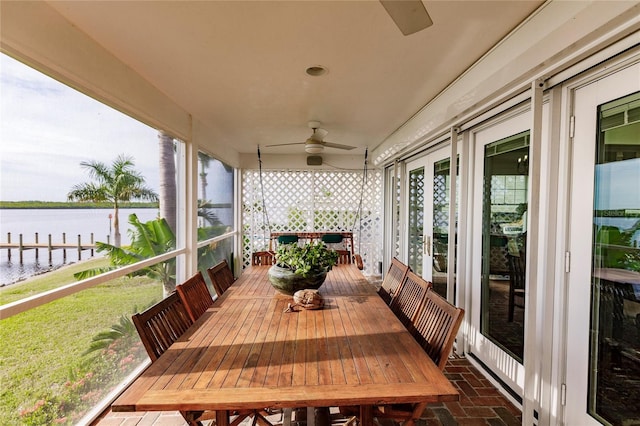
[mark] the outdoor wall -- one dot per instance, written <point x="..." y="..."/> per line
<point x="307" y="201"/>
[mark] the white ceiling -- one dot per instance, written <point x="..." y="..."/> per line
<point x="239" y="66"/>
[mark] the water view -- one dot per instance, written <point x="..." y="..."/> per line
<point x="72" y="222"/>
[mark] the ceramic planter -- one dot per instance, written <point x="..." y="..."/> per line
<point x="288" y="282"/>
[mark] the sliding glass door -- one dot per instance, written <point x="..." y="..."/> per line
<point x="500" y="204"/>
<point x="603" y="331"/>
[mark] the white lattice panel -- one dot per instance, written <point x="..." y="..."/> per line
<point x="309" y="201"/>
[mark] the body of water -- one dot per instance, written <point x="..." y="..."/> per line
<point x="73" y="222"/>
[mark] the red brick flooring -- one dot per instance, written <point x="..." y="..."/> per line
<point x="480" y="404"/>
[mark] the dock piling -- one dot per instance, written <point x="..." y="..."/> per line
<point x="49" y="245"/>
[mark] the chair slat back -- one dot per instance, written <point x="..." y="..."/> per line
<point x="344" y="257"/>
<point x="410" y="294"/>
<point x="392" y="280"/>
<point x="517" y="268"/>
<point x="262" y="258"/>
<point x="221" y="277"/>
<point x="195" y="296"/>
<point x="435" y="327"/>
<point x="162" y="324"/>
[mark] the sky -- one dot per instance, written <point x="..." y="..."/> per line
<point x="618" y="185"/>
<point x="47" y="129"/>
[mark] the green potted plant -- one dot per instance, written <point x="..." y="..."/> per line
<point x="301" y="267"/>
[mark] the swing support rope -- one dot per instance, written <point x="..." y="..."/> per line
<point x="359" y="211"/>
<point x="265" y="214"/>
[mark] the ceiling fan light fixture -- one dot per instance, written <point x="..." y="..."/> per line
<point x="314" y="148"/>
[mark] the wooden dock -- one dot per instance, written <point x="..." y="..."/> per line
<point x="50" y="246"/>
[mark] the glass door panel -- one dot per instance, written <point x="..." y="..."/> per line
<point x="603" y="308"/>
<point x="504" y="241"/>
<point x="437" y="215"/>
<point x="499" y="245"/>
<point x="614" y="363"/>
<point x="415" y="219"/>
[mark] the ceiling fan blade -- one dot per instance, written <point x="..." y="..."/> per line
<point x="337" y="145"/>
<point x="409" y="15"/>
<point x="285" y="144"/>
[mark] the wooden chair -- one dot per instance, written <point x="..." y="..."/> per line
<point x="344" y="257"/>
<point x="517" y="268"/>
<point x="359" y="263"/>
<point x="392" y="280"/>
<point x="221" y="277"/>
<point x="263" y="258"/>
<point x="435" y="326"/>
<point x="161" y="325"/>
<point x="195" y="296"/>
<point x="409" y="296"/>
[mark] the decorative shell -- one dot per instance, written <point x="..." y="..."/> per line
<point x="308" y="299"/>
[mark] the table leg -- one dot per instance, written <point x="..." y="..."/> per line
<point x="366" y="415"/>
<point x="222" y="418"/>
<point x="286" y="416"/>
<point x="311" y="416"/>
<point x="322" y="416"/>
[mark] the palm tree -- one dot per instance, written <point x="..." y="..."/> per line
<point x="167" y="179"/>
<point x="204" y="162"/>
<point x="115" y="184"/>
<point x="148" y="239"/>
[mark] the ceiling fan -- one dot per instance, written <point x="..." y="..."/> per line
<point x="409" y="15"/>
<point x="316" y="143"/>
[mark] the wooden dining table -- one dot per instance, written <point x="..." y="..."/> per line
<point x="248" y="353"/>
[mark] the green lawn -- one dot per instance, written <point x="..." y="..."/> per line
<point x="48" y="281"/>
<point x="41" y="361"/>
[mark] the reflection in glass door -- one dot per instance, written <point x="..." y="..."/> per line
<point x="438" y="214"/>
<point x="614" y="362"/>
<point x="504" y="242"/>
<point x="415" y="220"/>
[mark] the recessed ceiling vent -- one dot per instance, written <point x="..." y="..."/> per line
<point x="316" y="70"/>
